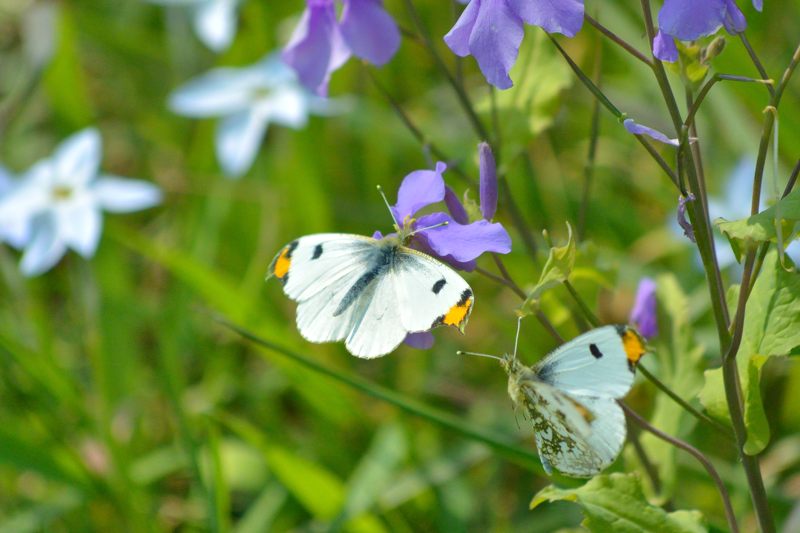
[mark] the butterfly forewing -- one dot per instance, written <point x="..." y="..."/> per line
<point x="598" y="363"/>
<point x="429" y="292"/>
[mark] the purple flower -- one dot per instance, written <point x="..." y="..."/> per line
<point x="685" y="225"/>
<point x="488" y="180"/>
<point x="638" y="129"/>
<point x="449" y="238"/>
<point x="688" y="20"/>
<point x="321" y="43"/>
<point x="643" y="314"/>
<point x="492" y="30"/>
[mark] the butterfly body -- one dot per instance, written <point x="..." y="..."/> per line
<point x="571" y="397"/>
<point x="368" y="292"/>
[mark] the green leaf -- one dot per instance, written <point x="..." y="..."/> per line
<point x="528" y="108"/>
<point x="761" y="227"/>
<point x="771" y="328"/>
<point x="680" y="364"/>
<point x="559" y="265"/>
<point x="615" y="503"/>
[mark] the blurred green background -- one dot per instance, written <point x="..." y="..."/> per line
<point x="126" y="405"/>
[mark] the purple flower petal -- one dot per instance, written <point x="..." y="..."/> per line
<point x="419" y="189"/>
<point x="458" y="36"/>
<point x="369" y="30"/>
<point x="554" y="16"/>
<point x="488" y="181"/>
<point x="315" y="49"/>
<point x="644" y="315"/>
<point x="688" y="230"/>
<point x="455" y="206"/>
<point x="377" y="235"/>
<point x="758" y="4"/>
<point x="421" y="341"/>
<point x="495" y="40"/>
<point x="687" y="20"/>
<point x="464" y="242"/>
<point x="420" y="242"/>
<point x="664" y="47"/>
<point x="638" y="129"/>
<point x="734" y="20"/>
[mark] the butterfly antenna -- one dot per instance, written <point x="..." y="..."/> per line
<point x="516" y="337"/>
<point x="459" y="352"/>
<point x="388" y="206"/>
<point x="439" y="225"/>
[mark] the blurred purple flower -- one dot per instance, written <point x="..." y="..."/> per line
<point x="321" y="44"/>
<point x="685" y="225"/>
<point x="643" y="314"/>
<point x="456" y="243"/>
<point x="492" y="30"/>
<point x="488" y="180"/>
<point x="422" y="340"/>
<point x="688" y="20"/>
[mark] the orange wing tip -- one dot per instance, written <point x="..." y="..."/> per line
<point x="283" y="261"/>
<point x="457" y="315"/>
<point x="634" y="346"/>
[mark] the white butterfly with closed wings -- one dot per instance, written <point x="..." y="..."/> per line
<point x="571" y="397"/>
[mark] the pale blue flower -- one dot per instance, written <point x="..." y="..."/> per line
<point x="247" y="100"/>
<point x="13" y="232"/>
<point x="60" y="200"/>
<point x="214" y="21"/>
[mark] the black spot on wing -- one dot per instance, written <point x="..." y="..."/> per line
<point x="438" y="286"/>
<point x="595" y="351"/>
<point x="317" y="252"/>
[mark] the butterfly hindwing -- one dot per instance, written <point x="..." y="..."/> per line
<point x="598" y="363"/>
<point x="580" y="436"/>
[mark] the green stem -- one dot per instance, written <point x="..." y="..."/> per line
<point x="697" y="454"/>
<point x="591" y="156"/>
<point x="590" y="316"/>
<point x="603" y="99"/>
<point x="463" y="98"/>
<point x="756" y="61"/>
<point x="515" y="453"/>
<point x="414" y="129"/>
<point x="683" y="403"/>
<point x="616" y="39"/>
<point x="699" y="219"/>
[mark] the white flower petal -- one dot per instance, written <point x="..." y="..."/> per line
<point x="120" y="195"/>
<point x="238" y="139"/>
<point x="215" y="23"/>
<point x="79" y="226"/>
<point x="77" y="159"/>
<point x="219" y="92"/>
<point x="18" y="207"/>
<point x="7" y="180"/>
<point x="287" y="106"/>
<point x="44" y="249"/>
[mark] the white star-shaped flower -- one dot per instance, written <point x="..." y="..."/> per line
<point x="247" y="100"/>
<point x="58" y="203"/>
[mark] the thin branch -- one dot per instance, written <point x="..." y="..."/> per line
<point x="697" y="454"/>
<point x="683" y="403"/>
<point x="756" y="61"/>
<point x="618" y="40"/>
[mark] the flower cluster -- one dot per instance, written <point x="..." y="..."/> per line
<point x="57" y="204"/>
<point x="688" y="20"/>
<point x="450" y="236"/>
<point x="492" y="31"/>
<point x="247" y="100"/>
<point x="321" y="43"/>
